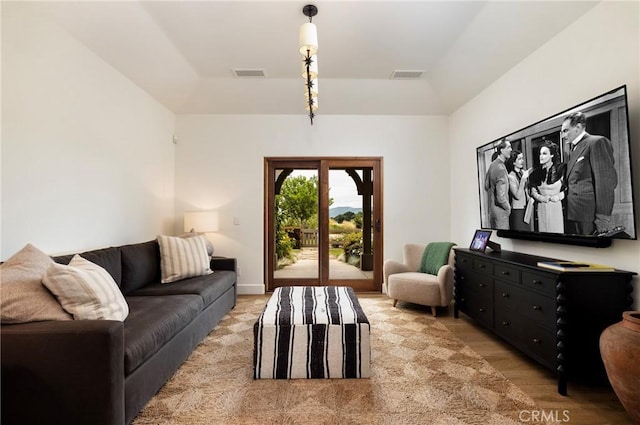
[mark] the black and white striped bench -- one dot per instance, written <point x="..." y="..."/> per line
<point x="312" y="332"/>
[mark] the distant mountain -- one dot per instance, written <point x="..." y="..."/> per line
<point x="335" y="211"/>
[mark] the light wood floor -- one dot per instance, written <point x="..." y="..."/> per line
<point x="585" y="404"/>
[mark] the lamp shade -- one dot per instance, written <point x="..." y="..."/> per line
<point x="308" y="39"/>
<point x="201" y="221"/>
<point x="313" y="68"/>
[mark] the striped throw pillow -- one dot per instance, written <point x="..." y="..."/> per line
<point x="86" y="290"/>
<point x="181" y="258"/>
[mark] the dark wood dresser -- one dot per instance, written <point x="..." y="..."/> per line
<point x="555" y="318"/>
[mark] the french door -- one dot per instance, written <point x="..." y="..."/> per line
<point x="323" y="222"/>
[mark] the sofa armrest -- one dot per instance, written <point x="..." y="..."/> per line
<point x="223" y="263"/>
<point x="69" y="372"/>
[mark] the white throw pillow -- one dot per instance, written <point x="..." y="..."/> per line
<point x="181" y="258"/>
<point x="24" y="299"/>
<point x="86" y="290"/>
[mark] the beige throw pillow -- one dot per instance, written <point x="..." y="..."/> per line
<point x="86" y="290"/>
<point x="181" y="258"/>
<point x="24" y="299"/>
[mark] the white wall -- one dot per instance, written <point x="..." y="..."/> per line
<point x="220" y="165"/>
<point x="599" y="52"/>
<point x="87" y="156"/>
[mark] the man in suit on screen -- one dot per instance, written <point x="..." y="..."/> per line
<point x="496" y="184"/>
<point x="591" y="178"/>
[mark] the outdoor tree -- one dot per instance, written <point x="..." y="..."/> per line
<point x="298" y="200"/>
<point x="284" y="245"/>
<point x="357" y="220"/>
<point x="348" y="215"/>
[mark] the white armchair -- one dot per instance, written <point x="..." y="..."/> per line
<point x="403" y="281"/>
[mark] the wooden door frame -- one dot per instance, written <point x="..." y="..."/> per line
<point x="323" y="164"/>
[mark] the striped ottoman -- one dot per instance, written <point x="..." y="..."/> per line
<point x="311" y="332"/>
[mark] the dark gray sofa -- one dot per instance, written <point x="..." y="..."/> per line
<point x="103" y="371"/>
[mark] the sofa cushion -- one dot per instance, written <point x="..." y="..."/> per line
<point x="414" y="287"/>
<point x="107" y="258"/>
<point x="152" y="322"/>
<point x="140" y="265"/>
<point x="24" y="299"/>
<point x="209" y="287"/>
<point x="86" y="290"/>
<point x="181" y="258"/>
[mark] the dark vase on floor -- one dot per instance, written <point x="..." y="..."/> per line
<point x="620" y="350"/>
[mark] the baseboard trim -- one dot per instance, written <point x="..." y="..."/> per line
<point x="251" y="289"/>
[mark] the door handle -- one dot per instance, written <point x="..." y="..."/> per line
<point x="377" y="224"/>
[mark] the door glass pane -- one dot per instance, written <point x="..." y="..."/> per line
<point x="296" y="224"/>
<point x="349" y="227"/>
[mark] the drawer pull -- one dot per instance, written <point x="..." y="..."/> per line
<point x="481" y="310"/>
<point x="481" y="266"/>
<point x="505" y="273"/>
<point x="537" y="282"/>
<point x="537" y="340"/>
<point x="505" y="295"/>
<point x="482" y="285"/>
<point x="537" y="307"/>
<point x="505" y="323"/>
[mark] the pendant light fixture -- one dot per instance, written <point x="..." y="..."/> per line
<point x="309" y="50"/>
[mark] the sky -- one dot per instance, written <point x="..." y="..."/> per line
<point x="341" y="188"/>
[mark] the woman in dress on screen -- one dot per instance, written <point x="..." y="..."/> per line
<point x="518" y="193"/>
<point x="546" y="189"/>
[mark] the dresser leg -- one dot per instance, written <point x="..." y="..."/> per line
<point x="562" y="384"/>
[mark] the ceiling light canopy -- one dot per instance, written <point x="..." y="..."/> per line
<point x="309" y="49"/>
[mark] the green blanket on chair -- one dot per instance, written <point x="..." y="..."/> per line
<point x="435" y="255"/>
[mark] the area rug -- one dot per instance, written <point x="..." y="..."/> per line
<point x="420" y="374"/>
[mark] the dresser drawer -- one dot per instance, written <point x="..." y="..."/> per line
<point x="464" y="261"/>
<point x="536" y="307"/>
<point x="540" y="343"/>
<point x="536" y="341"/>
<point x="483" y="266"/>
<point x="478" y="308"/>
<point x="506" y="296"/>
<point x="539" y="308"/>
<point x="472" y="280"/>
<point x="480" y="286"/>
<point x="540" y="282"/>
<point x="483" y="297"/>
<point x="508" y="324"/>
<point x="509" y="274"/>
<point x="462" y="276"/>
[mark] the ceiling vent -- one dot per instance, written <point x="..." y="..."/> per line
<point x="400" y="74"/>
<point x="249" y="73"/>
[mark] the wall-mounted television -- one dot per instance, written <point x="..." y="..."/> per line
<point x="564" y="179"/>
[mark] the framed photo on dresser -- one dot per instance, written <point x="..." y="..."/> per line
<point x="480" y="240"/>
